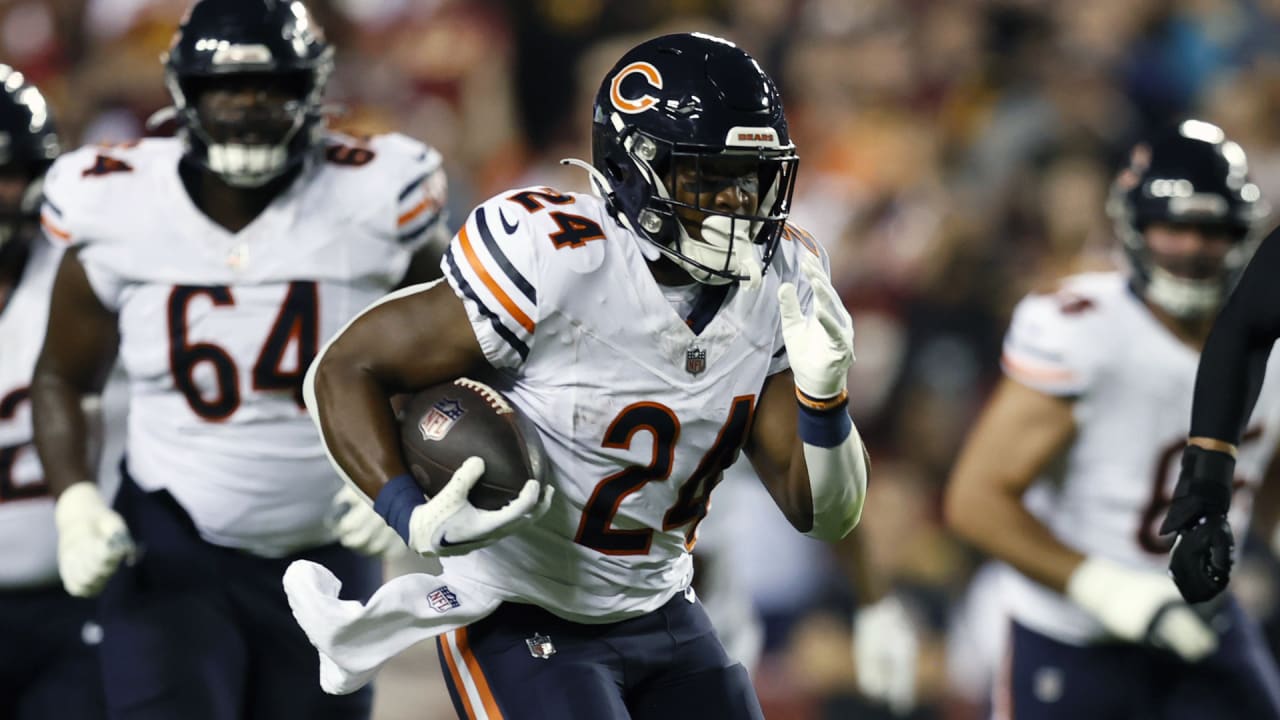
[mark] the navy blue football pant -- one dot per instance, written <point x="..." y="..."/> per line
<point x="523" y="663"/>
<point x="48" y="656"/>
<point x="197" y="631"/>
<point x="1055" y="681"/>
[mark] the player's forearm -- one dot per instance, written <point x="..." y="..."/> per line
<point x="61" y="429"/>
<point x="836" y="467"/>
<point x="1000" y="526"/>
<point x="353" y="413"/>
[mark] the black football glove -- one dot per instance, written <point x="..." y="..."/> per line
<point x="1201" y="559"/>
<point x="1202" y="555"/>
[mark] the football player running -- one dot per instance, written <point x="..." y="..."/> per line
<point x="1068" y="473"/>
<point x="213" y="264"/>
<point x="650" y="332"/>
<point x="48" y="653"/>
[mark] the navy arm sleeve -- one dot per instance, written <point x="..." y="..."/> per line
<point x="1234" y="361"/>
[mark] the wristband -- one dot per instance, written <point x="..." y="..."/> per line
<point x="396" y="502"/>
<point x="1209" y="475"/>
<point x="825" y="428"/>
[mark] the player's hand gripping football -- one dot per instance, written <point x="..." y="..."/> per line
<point x="92" y="540"/>
<point x="819" y="345"/>
<point x="358" y="526"/>
<point x="1141" y="606"/>
<point x="448" y="524"/>
<point x="1200" y="562"/>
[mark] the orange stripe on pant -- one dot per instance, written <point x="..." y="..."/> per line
<point x="477" y="675"/>
<point x="446" y="649"/>
<point x="525" y="321"/>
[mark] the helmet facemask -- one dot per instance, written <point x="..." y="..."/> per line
<point x="1193" y="286"/>
<point x="250" y="127"/>
<point x="717" y="212"/>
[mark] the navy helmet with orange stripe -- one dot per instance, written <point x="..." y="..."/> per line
<point x="690" y="149"/>
<point x="274" y="55"/>
<point x="1188" y="176"/>
<point x="28" y="146"/>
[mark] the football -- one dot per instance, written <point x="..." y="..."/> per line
<point x="443" y="425"/>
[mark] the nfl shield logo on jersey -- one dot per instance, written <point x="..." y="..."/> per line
<point x="540" y="646"/>
<point x="440" y="419"/>
<point x="442" y="599"/>
<point x="695" y="360"/>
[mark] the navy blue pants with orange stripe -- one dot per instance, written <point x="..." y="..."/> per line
<point x="1056" y="681"/>
<point x="523" y="663"/>
<point x="201" y="632"/>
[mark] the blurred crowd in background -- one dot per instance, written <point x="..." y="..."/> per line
<point x="956" y="154"/>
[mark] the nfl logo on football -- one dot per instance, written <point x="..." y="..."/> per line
<point x="440" y="419"/>
<point x="442" y="599"/>
<point x="695" y="360"/>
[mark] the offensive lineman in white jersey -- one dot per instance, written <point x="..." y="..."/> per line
<point x="647" y="333"/>
<point x="48" y="653"/>
<point x="1089" y="424"/>
<point x="216" y="263"/>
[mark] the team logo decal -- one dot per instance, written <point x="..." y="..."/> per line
<point x="443" y="599"/>
<point x="642" y="103"/>
<point x="695" y="360"/>
<point x="540" y="646"/>
<point x="440" y="419"/>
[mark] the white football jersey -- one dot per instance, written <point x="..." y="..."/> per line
<point x="1131" y="381"/>
<point x="217" y="328"/>
<point x="26" y="509"/>
<point x="637" y="412"/>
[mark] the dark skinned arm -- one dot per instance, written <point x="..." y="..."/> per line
<point x="79" y="349"/>
<point x="400" y="346"/>
<point x="776" y="453"/>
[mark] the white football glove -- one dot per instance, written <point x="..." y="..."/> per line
<point x="448" y="524"/>
<point x="819" y="345"/>
<point x="92" y="540"/>
<point x="358" y="527"/>
<point x="884" y="653"/>
<point x="1141" y="606"/>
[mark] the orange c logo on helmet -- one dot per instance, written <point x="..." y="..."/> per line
<point x="642" y="103"/>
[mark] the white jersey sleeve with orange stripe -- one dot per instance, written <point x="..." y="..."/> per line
<point x="1051" y="346"/>
<point x="494" y="264"/>
<point x="420" y="204"/>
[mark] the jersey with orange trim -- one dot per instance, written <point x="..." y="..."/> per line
<point x="26" y="508"/>
<point x="1130" y="381"/>
<point x="217" y="329"/>
<point x="638" y="412"/>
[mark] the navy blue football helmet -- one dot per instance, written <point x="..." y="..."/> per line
<point x="271" y="43"/>
<point x="1193" y="176"/>
<point x="28" y="146"/>
<point x="687" y="116"/>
